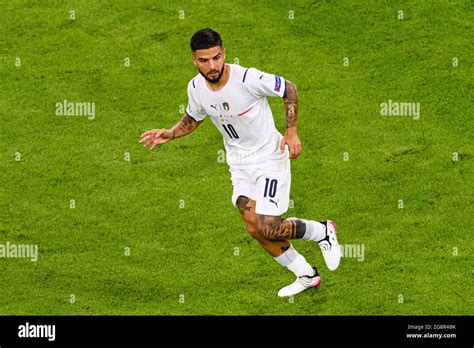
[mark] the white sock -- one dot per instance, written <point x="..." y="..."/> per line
<point x="314" y="230"/>
<point x="295" y="262"/>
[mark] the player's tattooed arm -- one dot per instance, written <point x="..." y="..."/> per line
<point x="290" y="99"/>
<point x="156" y="137"/>
<point x="291" y="105"/>
<point x="185" y="126"/>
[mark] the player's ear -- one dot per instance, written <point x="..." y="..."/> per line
<point x="194" y="60"/>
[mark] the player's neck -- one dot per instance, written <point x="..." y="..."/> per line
<point x="222" y="82"/>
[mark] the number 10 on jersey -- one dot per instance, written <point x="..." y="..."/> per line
<point x="230" y="130"/>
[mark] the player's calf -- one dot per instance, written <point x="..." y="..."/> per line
<point x="275" y="229"/>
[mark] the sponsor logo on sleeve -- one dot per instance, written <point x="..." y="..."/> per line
<point x="277" y="83"/>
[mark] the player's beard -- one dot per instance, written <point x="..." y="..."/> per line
<point x="216" y="80"/>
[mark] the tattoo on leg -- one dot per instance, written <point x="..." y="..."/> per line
<point x="273" y="228"/>
<point x="242" y="204"/>
<point x="300" y="228"/>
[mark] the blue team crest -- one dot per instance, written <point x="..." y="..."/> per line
<point x="225" y="106"/>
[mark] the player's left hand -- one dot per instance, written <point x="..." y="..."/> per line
<point x="291" y="139"/>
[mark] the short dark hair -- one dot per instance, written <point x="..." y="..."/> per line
<point x="204" y="39"/>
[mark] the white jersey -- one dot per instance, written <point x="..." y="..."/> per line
<point x="240" y="111"/>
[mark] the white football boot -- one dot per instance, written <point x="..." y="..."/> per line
<point x="329" y="246"/>
<point x="300" y="284"/>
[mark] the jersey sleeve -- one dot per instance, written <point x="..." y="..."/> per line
<point x="194" y="109"/>
<point x="263" y="84"/>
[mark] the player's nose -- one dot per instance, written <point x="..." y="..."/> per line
<point x="212" y="65"/>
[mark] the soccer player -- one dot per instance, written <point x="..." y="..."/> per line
<point x="235" y="98"/>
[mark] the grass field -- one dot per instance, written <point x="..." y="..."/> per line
<point x="141" y="233"/>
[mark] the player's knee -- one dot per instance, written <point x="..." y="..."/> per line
<point x="253" y="231"/>
<point x="269" y="227"/>
<point x="269" y="235"/>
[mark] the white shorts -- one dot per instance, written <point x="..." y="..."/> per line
<point x="268" y="185"/>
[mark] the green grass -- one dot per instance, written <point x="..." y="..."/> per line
<point x="135" y="204"/>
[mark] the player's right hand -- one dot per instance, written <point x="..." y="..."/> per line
<point x="155" y="137"/>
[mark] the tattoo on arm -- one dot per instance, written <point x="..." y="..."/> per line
<point x="291" y="104"/>
<point x="185" y="126"/>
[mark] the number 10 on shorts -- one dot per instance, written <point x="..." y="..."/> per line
<point x="270" y="187"/>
